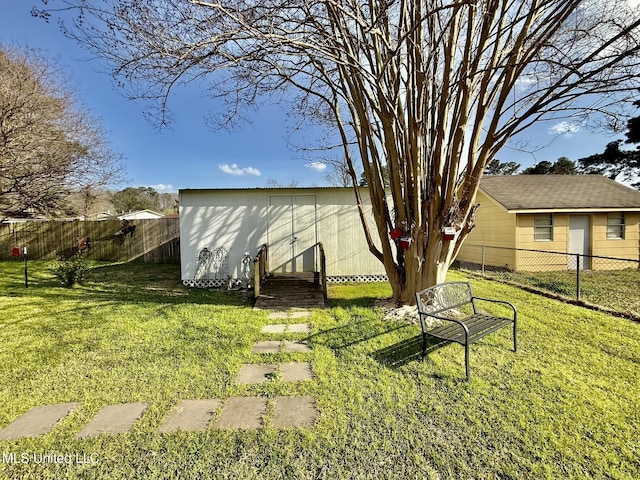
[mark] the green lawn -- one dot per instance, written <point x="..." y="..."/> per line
<point x="566" y="405"/>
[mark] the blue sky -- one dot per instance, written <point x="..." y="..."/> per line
<point x="189" y="154"/>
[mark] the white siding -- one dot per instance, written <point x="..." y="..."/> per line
<point x="340" y="231"/>
<point x="238" y="221"/>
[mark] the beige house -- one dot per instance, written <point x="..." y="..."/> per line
<point x="588" y="215"/>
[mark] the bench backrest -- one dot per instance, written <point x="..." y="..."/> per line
<point x="443" y="297"/>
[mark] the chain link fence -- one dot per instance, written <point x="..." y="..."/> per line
<point x="606" y="282"/>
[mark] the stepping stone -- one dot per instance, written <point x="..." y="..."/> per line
<point x="294" y="412"/>
<point x="268" y="346"/>
<point x="190" y="415"/>
<point x="113" y="419"/>
<point x="294" y="372"/>
<point x="255" y="373"/>
<point x="280" y="328"/>
<point x="305" y="313"/>
<point x="242" y="413"/>
<point x="37" y="421"/>
<point x="299" y="328"/>
<point x="302" y="346"/>
<point x="278" y="315"/>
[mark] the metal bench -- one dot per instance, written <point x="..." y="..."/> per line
<point x="455" y="307"/>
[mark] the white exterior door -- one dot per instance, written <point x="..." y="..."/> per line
<point x="579" y="241"/>
<point x="292" y="233"/>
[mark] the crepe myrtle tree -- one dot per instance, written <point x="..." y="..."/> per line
<point x="430" y="90"/>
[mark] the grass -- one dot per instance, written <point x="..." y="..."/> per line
<point x="564" y="406"/>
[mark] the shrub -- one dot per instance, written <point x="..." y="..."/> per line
<point x="72" y="271"/>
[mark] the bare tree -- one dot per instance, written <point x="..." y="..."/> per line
<point x="429" y="89"/>
<point x="49" y="146"/>
<point x="338" y="173"/>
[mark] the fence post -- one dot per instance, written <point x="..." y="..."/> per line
<point x="577" y="276"/>
<point x="483" y="249"/>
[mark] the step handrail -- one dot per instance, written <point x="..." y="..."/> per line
<point x="323" y="270"/>
<point x="260" y="268"/>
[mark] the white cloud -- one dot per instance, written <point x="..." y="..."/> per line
<point x="234" y="169"/>
<point x="319" y="166"/>
<point x="164" y="188"/>
<point x="564" y="128"/>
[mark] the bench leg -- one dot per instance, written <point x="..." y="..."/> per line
<point x="515" y="341"/>
<point x="466" y="359"/>
<point x="424" y="345"/>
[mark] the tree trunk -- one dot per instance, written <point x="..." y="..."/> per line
<point x="425" y="263"/>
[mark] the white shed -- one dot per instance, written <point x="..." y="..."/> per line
<point x="219" y="226"/>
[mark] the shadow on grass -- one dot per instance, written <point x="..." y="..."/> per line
<point x="364" y="301"/>
<point x="358" y="331"/>
<point x="116" y="283"/>
<point x="406" y="351"/>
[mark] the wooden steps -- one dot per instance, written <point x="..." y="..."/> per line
<point x="285" y="291"/>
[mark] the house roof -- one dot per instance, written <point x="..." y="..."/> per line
<point x="531" y="193"/>
<point x="140" y="215"/>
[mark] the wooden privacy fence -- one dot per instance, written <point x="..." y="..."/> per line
<point x="153" y="241"/>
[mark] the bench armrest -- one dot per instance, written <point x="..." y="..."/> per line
<point x="473" y="299"/>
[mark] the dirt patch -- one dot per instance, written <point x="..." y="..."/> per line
<point x="407" y="313"/>
<point x="394" y="312"/>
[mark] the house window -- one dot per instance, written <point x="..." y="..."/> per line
<point x="615" y="226"/>
<point x="543" y="227"/>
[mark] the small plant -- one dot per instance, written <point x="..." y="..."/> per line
<point x="72" y="271"/>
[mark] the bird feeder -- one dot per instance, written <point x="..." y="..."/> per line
<point x="448" y="233"/>
<point x="395" y="234"/>
<point x="405" y="242"/>
<point x="15" y="252"/>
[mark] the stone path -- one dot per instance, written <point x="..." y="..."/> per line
<point x="113" y="419"/>
<point x="190" y="415"/>
<point x="198" y="414"/>
<point x="277" y="346"/>
<point x="37" y="421"/>
<point x="289" y="372"/>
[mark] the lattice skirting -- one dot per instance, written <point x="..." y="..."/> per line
<point x="211" y="283"/>
<point x="357" y="278"/>
<point x="217" y="283"/>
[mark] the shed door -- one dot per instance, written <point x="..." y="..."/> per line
<point x="579" y="241"/>
<point x="292" y="233"/>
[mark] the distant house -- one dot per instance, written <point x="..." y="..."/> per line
<point x="140" y="215"/>
<point x="579" y="214"/>
<point x="218" y="226"/>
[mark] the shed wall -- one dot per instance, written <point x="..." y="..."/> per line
<point x="232" y="222"/>
<point x="340" y="231"/>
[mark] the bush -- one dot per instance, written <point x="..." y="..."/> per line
<point x="72" y="271"/>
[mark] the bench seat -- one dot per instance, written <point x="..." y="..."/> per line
<point x="445" y="303"/>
